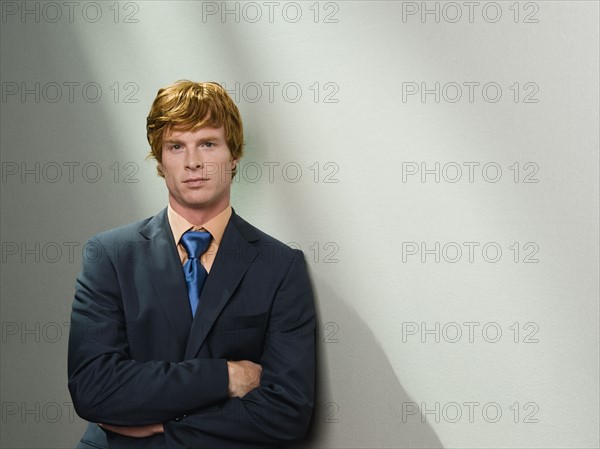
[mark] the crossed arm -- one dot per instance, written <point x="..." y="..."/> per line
<point x="244" y="376"/>
<point x="270" y="402"/>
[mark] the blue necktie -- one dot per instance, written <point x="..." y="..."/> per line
<point x="195" y="244"/>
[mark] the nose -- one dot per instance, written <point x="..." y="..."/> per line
<point x="193" y="160"/>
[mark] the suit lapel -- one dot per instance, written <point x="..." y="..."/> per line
<point x="234" y="257"/>
<point x="166" y="274"/>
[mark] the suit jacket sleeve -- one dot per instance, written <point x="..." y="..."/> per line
<point x="105" y="383"/>
<point x="278" y="411"/>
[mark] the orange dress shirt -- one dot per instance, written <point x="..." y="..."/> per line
<point x="216" y="226"/>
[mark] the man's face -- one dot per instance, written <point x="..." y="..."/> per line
<point x="197" y="166"/>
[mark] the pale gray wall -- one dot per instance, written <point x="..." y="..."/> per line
<point x="381" y="371"/>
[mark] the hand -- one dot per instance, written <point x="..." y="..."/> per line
<point x="244" y="376"/>
<point x="135" y="431"/>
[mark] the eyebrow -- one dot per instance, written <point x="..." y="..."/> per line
<point x="204" y="139"/>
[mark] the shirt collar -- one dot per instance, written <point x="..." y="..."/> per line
<point x="216" y="225"/>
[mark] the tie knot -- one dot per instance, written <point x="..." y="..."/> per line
<point x="195" y="243"/>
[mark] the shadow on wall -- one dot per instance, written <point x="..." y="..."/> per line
<point x="68" y="133"/>
<point x="359" y="398"/>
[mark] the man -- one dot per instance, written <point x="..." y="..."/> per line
<point x="173" y="345"/>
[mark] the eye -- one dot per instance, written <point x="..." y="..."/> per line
<point x="209" y="144"/>
<point x="176" y="146"/>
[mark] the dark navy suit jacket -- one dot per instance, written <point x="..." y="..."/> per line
<point x="137" y="357"/>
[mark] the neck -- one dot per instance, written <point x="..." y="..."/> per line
<point x="199" y="216"/>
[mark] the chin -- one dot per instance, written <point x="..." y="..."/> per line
<point x="197" y="199"/>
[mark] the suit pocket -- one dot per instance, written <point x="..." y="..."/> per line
<point x="238" y="337"/>
<point x="239" y="322"/>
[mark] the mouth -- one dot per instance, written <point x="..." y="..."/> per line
<point x="195" y="181"/>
